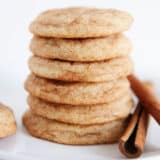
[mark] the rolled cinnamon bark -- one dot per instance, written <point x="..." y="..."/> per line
<point x="146" y="97"/>
<point x="132" y="142"/>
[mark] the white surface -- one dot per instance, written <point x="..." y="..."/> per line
<point x="14" y="39"/>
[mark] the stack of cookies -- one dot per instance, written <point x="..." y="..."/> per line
<point x="78" y="90"/>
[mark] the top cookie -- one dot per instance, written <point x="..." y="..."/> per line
<point x="80" y="22"/>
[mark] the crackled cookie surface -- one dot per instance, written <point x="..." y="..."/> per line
<point x="80" y="22"/>
<point x="90" y="49"/>
<point x="82" y="114"/>
<point x="73" y="134"/>
<point x="7" y="121"/>
<point x="85" y="72"/>
<point x="76" y="93"/>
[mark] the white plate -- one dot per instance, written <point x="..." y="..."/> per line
<point x="23" y="146"/>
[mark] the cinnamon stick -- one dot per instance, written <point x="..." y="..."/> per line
<point x="146" y="97"/>
<point x="132" y="142"/>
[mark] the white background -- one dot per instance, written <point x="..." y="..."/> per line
<point x="16" y="15"/>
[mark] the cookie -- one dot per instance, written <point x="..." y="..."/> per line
<point x="76" y="93"/>
<point x="82" y="114"/>
<point x="7" y="121"/>
<point x="76" y="71"/>
<point x="80" y="22"/>
<point x="95" y="49"/>
<point x="73" y="134"/>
